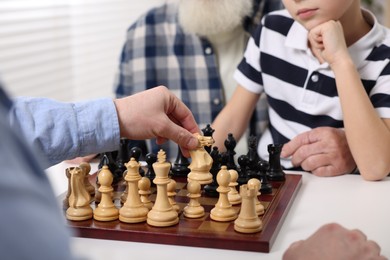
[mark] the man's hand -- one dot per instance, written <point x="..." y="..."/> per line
<point x="324" y="151"/>
<point x="335" y="242"/>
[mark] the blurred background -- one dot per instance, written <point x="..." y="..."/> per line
<point x="69" y="49"/>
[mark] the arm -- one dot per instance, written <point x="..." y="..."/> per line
<point x="235" y="116"/>
<point x="368" y="135"/>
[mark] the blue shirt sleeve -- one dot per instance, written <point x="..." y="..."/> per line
<point x="66" y="130"/>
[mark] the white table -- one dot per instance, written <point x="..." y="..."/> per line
<point x="347" y="200"/>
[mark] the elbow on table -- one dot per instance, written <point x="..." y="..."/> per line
<point x="375" y="173"/>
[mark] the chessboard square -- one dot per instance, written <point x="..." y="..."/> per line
<point x="214" y="226"/>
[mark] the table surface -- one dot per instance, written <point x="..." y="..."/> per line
<point x="348" y="200"/>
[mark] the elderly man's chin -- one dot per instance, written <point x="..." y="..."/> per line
<point x="209" y="17"/>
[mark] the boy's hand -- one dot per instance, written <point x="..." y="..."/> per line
<point x="328" y="43"/>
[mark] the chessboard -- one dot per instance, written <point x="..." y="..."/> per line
<point x="202" y="232"/>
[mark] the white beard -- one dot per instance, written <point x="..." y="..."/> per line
<point x="208" y="17"/>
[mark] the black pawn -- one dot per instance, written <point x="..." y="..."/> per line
<point x="210" y="190"/>
<point x="150" y="158"/>
<point x="136" y="153"/>
<point x="242" y="161"/>
<point x="230" y="144"/>
<point x="180" y="166"/>
<point x="275" y="171"/>
<point x="266" y="187"/>
<point x="208" y="131"/>
<point x="121" y="159"/>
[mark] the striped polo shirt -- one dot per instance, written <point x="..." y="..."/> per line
<point x="301" y="92"/>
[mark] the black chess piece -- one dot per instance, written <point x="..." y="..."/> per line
<point x="210" y="190"/>
<point x="208" y="131"/>
<point x="150" y="158"/>
<point x="242" y="161"/>
<point x="107" y="158"/>
<point x="136" y="153"/>
<point x="121" y="159"/>
<point x="230" y="144"/>
<point x="180" y="166"/>
<point x="275" y="171"/>
<point x="253" y="158"/>
<point x="266" y="187"/>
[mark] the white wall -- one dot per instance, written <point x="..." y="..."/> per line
<point x="64" y="49"/>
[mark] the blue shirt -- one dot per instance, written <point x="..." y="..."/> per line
<point x="158" y="52"/>
<point x="31" y="223"/>
<point x="301" y="92"/>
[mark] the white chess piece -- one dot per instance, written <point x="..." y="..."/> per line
<point x="233" y="195"/>
<point x="248" y="221"/>
<point x="162" y="214"/>
<point x="193" y="209"/>
<point x="144" y="192"/>
<point x="133" y="211"/>
<point x="256" y="184"/>
<point x="223" y="210"/>
<point x="106" y="210"/>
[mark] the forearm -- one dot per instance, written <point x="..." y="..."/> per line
<point x="235" y="116"/>
<point x="367" y="134"/>
<point x="66" y="130"/>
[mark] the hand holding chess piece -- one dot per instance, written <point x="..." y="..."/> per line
<point x="201" y="161"/>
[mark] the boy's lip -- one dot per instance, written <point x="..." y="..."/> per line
<point x="306" y="13"/>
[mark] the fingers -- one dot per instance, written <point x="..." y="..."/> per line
<point x="291" y="147"/>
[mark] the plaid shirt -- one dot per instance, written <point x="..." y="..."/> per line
<point x="158" y="52"/>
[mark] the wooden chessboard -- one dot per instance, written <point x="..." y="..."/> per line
<point x="202" y="232"/>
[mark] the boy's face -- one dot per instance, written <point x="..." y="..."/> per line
<point x="311" y="13"/>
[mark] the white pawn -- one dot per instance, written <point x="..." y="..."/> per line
<point x="193" y="209"/>
<point x="106" y="210"/>
<point x="248" y="221"/>
<point x="256" y="184"/>
<point x="79" y="198"/>
<point x="144" y="192"/>
<point x="162" y="214"/>
<point x="223" y="210"/>
<point x="133" y="211"/>
<point x="171" y="191"/>
<point x="233" y="195"/>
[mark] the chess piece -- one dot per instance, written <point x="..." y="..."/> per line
<point x="210" y="190"/>
<point x="171" y="191"/>
<point x="201" y="161"/>
<point x="136" y="153"/>
<point x="150" y="159"/>
<point x="230" y="144"/>
<point x="65" y="202"/>
<point x="255" y="183"/>
<point x="144" y="192"/>
<point x="233" y="195"/>
<point x="275" y="171"/>
<point x="266" y="187"/>
<point x="86" y="167"/>
<point x="248" y="221"/>
<point x="133" y="211"/>
<point x="106" y="210"/>
<point x="253" y="158"/>
<point x="242" y="161"/>
<point x="162" y="214"/>
<point x="223" y="210"/>
<point x="79" y="198"/>
<point x="121" y="158"/>
<point x="208" y="131"/>
<point x="180" y="166"/>
<point x="193" y="208"/>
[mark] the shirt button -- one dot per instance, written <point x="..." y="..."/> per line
<point x="216" y="101"/>
<point x="208" y="51"/>
<point x="314" y="77"/>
